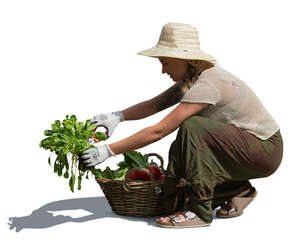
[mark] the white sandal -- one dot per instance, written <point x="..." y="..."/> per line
<point x="190" y="220"/>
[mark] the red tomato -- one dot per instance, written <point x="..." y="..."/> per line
<point x="154" y="170"/>
<point x="132" y="175"/>
<point x="141" y="175"/>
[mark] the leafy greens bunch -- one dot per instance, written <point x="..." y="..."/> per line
<point x="131" y="160"/>
<point x="68" y="139"/>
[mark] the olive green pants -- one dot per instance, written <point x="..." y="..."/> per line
<point x="210" y="162"/>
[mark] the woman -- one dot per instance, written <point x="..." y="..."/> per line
<point x="225" y="136"/>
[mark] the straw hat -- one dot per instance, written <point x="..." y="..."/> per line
<point x="178" y="40"/>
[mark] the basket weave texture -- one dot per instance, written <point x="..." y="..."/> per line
<point x="135" y="197"/>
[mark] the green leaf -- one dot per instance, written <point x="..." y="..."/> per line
<point x="73" y="118"/>
<point x="55" y="167"/>
<point x="100" y="136"/>
<point x="49" y="160"/>
<point x="72" y="181"/>
<point x="136" y="159"/>
<point x="55" y="126"/>
<point x="96" y="172"/>
<point x="68" y="125"/>
<point x="60" y="169"/>
<point x="91" y="127"/>
<point x="146" y="157"/>
<point x="71" y="184"/>
<point x="119" y="174"/>
<point x="79" y="182"/>
<point x="57" y="122"/>
<point x="66" y="175"/>
<point x="48" y="132"/>
<point x="108" y="173"/>
<point x="124" y="164"/>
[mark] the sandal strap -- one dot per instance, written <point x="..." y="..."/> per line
<point x="188" y="215"/>
<point x="175" y="220"/>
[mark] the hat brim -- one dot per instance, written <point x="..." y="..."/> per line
<point x="156" y="52"/>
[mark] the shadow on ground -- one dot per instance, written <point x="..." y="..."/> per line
<point x="98" y="208"/>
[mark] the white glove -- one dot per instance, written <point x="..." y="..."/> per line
<point x="96" y="155"/>
<point x="108" y="121"/>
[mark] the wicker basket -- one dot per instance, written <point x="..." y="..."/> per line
<point x="134" y="197"/>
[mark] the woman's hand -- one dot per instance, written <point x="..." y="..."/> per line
<point x="95" y="155"/>
<point x="108" y="121"/>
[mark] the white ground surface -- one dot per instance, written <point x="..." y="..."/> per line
<point x="79" y="57"/>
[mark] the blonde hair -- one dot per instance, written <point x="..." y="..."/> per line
<point x="194" y="70"/>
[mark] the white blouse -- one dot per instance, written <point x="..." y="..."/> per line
<point x="233" y="102"/>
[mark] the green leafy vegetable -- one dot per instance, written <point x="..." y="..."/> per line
<point x="70" y="138"/>
<point x="118" y="174"/>
<point x="131" y="160"/>
<point x="134" y="159"/>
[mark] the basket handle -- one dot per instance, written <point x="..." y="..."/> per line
<point x="160" y="159"/>
<point x="127" y="187"/>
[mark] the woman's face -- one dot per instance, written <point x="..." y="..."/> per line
<point x="174" y="67"/>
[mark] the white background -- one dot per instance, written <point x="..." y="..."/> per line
<point x="79" y="57"/>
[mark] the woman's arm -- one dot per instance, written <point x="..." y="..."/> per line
<point x="170" y="96"/>
<point x="139" y="111"/>
<point x="156" y="132"/>
<point x="164" y="100"/>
